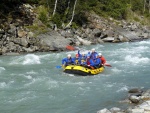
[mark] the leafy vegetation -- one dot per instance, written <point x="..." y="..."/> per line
<point x="118" y="9"/>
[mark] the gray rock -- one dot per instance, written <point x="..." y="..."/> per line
<point x="136" y="110"/>
<point x="104" y="111"/>
<point x="115" y="110"/>
<point x="2" y="31"/>
<point x="97" y="32"/>
<point x="4" y="50"/>
<point x="145" y="106"/>
<point x="146" y="95"/>
<point x="134" y="99"/>
<point x="66" y="34"/>
<point x="21" y="41"/>
<point x="30" y="34"/>
<point x="1" y="36"/>
<point x="12" y="29"/>
<point x="29" y="50"/>
<point x="22" y="33"/>
<point x="100" y="40"/>
<point x="84" y="42"/>
<point x="135" y="90"/>
<point x="53" y="41"/>
<point x="108" y="39"/>
<point x="11" y="54"/>
<point x="123" y="39"/>
<point x="128" y="34"/>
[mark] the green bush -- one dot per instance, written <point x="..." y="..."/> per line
<point x="43" y="14"/>
<point x="57" y="19"/>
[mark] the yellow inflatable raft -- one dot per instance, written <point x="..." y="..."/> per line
<point x="81" y="70"/>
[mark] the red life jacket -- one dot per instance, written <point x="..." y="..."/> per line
<point x="103" y="60"/>
<point x="88" y="61"/>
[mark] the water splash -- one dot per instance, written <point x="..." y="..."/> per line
<point x="31" y="59"/>
<point x="2" y="69"/>
<point x="137" y="59"/>
<point x="122" y="89"/>
<point x="116" y="70"/>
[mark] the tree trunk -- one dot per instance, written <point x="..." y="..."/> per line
<point x="149" y="6"/>
<point x="48" y="7"/>
<point x="55" y="7"/>
<point x="144" y="6"/>
<point x="72" y="14"/>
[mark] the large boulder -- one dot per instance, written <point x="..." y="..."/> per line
<point x="21" y="41"/>
<point x="53" y="41"/>
<point x="104" y="111"/>
<point x="83" y="41"/>
<point x="108" y="39"/>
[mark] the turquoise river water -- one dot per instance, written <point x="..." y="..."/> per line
<point x="31" y="83"/>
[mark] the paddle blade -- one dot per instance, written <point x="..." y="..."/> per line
<point x="108" y="65"/>
<point x="58" y="67"/>
<point x="69" y="47"/>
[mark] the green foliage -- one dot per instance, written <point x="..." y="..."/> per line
<point x="32" y="1"/>
<point x="80" y="19"/>
<point x="57" y="19"/>
<point x="74" y="25"/>
<point x="43" y="14"/>
<point x="118" y="9"/>
<point x="37" y="29"/>
<point x="137" y="5"/>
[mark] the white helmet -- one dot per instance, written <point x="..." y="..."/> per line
<point x="100" y="54"/>
<point x="93" y="49"/>
<point x="69" y="55"/>
<point x="83" y="53"/>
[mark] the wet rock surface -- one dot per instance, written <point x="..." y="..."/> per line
<point x="139" y="102"/>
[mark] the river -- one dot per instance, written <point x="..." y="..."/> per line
<point x="31" y="83"/>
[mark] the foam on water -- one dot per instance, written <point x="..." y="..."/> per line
<point x="115" y="70"/>
<point x="144" y="42"/>
<point x="2" y="69"/>
<point x="32" y="72"/>
<point x="33" y="80"/>
<point x="141" y="48"/>
<point x="122" y="89"/>
<point x="137" y="59"/>
<point x="3" y="84"/>
<point x="21" y="99"/>
<point x="52" y="84"/>
<point x="31" y="59"/>
<point x="25" y="60"/>
<point x="28" y="77"/>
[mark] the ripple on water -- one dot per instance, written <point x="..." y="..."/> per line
<point x="26" y="60"/>
<point x="3" y="84"/>
<point x="2" y="69"/>
<point x="116" y="70"/>
<point x="137" y="59"/>
<point x="123" y="89"/>
<point x="31" y="59"/>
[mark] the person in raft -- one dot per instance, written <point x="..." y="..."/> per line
<point x="82" y="58"/>
<point x="97" y="62"/>
<point x="77" y="59"/>
<point x="68" y="61"/>
<point x="93" y="54"/>
<point x="89" y="62"/>
<point x="103" y="60"/>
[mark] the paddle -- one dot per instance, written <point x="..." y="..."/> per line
<point x="108" y="65"/>
<point x="58" y="67"/>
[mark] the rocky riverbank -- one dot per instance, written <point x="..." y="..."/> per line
<point x="16" y="37"/>
<point x="139" y="102"/>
